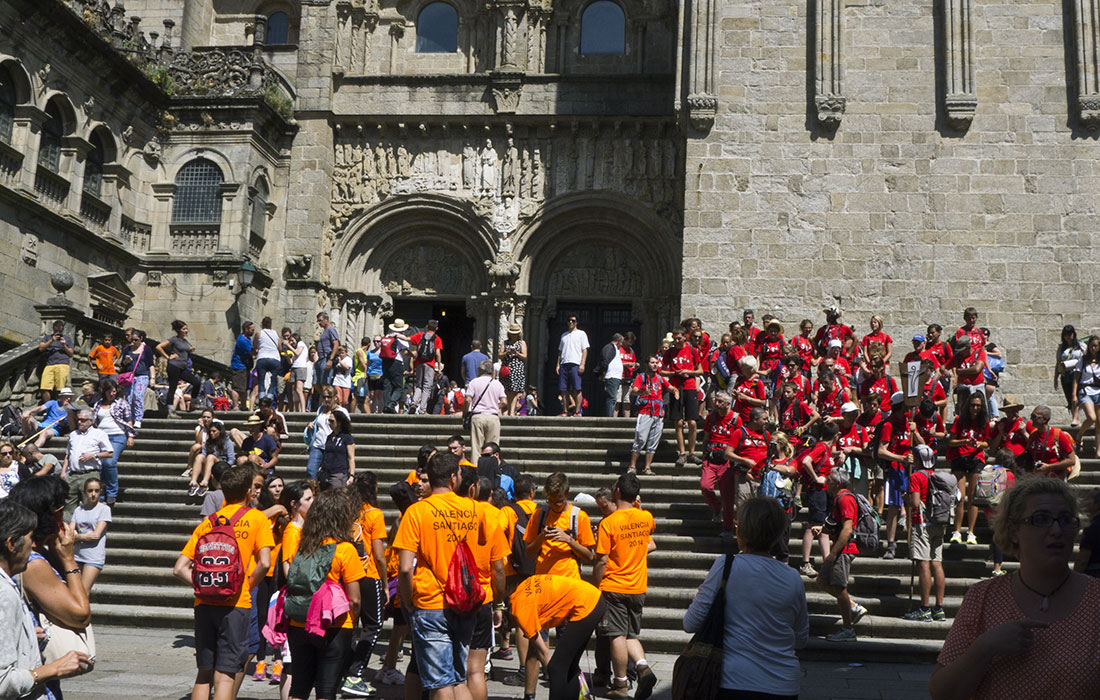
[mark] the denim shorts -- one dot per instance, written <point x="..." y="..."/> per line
<point x="441" y="640"/>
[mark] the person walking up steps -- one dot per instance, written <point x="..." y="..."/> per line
<point x="837" y="567"/>
<point x="623" y="543"/>
<point x="649" y="387"/>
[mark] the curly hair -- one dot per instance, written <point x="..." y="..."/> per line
<point x="1014" y="505"/>
<point x="330" y="517"/>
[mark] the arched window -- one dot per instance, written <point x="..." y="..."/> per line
<point x="437" y="29"/>
<point x="603" y="29"/>
<point x="49" y="145"/>
<point x="259" y="208"/>
<point x="8" y="100"/>
<point x="278" y="28"/>
<point x="93" y="165"/>
<point x="198" y="198"/>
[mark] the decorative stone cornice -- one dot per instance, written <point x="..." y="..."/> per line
<point x="960" y="109"/>
<point x="702" y="110"/>
<point x="507" y="87"/>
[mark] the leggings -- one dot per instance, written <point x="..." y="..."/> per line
<point x="262" y="597"/>
<point x="370" y="624"/>
<point x="177" y="374"/>
<point x="136" y="396"/>
<point x="318" y="661"/>
<point x="565" y="665"/>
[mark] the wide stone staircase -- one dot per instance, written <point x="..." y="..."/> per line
<point x="154" y="517"/>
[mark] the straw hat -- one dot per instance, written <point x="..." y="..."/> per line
<point x="254" y="420"/>
<point x="1011" y="404"/>
<point x="775" y="323"/>
<point x="515" y="329"/>
<point x="399" y="325"/>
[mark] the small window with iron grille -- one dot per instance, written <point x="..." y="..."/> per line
<point x="198" y="198"/>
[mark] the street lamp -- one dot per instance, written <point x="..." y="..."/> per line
<point x="245" y="275"/>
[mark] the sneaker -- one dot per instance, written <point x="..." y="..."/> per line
<point x="203" y="488"/>
<point x="891" y="549"/>
<point x="680" y="460"/>
<point x="260" y="673"/>
<point x="515" y="680"/>
<point x="956" y="537"/>
<point x="695" y="459"/>
<point x="858" y="611"/>
<point x="618" y="690"/>
<point x="631" y="470"/>
<point x="276" y="671"/>
<point x="939" y="615"/>
<point x="971" y="539"/>
<point x="357" y="688"/>
<point x="844" y="635"/>
<point x="186" y="473"/>
<point x="808" y="569"/>
<point x="193" y="491"/>
<point x="646" y="681"/>
<point x="918" y="615"/>
<point x="503" y="654"/>
<point x="391" y="676"/>
<point x="1002" y="572"/>
<point x="647" y="472"/>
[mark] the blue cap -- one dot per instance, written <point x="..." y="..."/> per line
<point x="918" y="338"/>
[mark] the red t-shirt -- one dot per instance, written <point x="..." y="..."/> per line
<point x="805" y="348"/>
<point x="769" y="352"/>
<point x="845" y="507"/>
<point x="752" y="446"/>
<point x="895" y="436"/>
<point x="674" y="360"/>
<point x="627" y="355"/>
<point x="919" y="483"/>
<point x="733" y="357"/>
<point x="927" y="426"/>
<point x="794" y="415"/>
<point x="856" y="436"/>
<point x="841" y="366"/>
<point x="651" y="394"/>
<point x="883" y="387"/>
<point x="934" y="390"/>
<point x="751" y="335"/>
<point x="963" y="429"/>
<point x="975" y="333"/>
<point x="836" y="331"/>
<point x="722" y="430"/>
<point x="879" y="337"/>
<point x="803" y="383"/>
<point x="914" y="356"/>
<point x="703" y="350"/>
<point x="1049" y="448"/>
<point x="942" y="352"/>
<point x="829" y="404"/>
<point x="414" y="343"/>
<point x="752" y="387"/>
<point x="821" y="457"/>
<point x="1015" y="441"/>
<point x="967" y="362"/>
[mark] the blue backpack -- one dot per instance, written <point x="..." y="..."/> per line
<point x="770" y="488"/>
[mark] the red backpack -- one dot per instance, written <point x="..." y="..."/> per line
<point x="462" y="592"/>
<point x="218" y="572"/>
<point x="386" y="349"/>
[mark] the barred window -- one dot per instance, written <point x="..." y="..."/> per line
<point x="7" y="105"/>
<point x="437" y="29"/>
<point x="198" y="198"/>
<point x="93" y="166"/>
<point x="49" y="144"/>
<point x="278" y="28"/>
<point x="603" y="28"/>
<point x="259" y="208"/>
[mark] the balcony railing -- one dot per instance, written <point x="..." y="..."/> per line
<point x="195" y="239"/>
<point x="96" y="213"/>
<point x="51" y="186"/>
<point x="135" y="235"/>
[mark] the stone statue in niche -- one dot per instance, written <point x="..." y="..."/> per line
<point x="508" y="168"/>
<point x="380" y="160"/>
<point x="537" y="174"/>
<point x="469" y="166"/>
<point x="297" y="266"/>
<point x="404" y="161"/>
<point x="488" y="184"/>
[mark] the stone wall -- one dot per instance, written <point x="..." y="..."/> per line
<point x="897" y="211"/>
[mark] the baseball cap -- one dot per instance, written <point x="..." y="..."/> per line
<point x="835" y="343"/>
<point x="832" y="310"/>
<point x="849" y="407"/>
<point x="897" y="398"/>
<point x="918" y="338"/>
<point x="926" y="455"/>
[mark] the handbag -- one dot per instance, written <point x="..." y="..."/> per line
<point x="697" y="674"/>
<point x="125" y="379"/>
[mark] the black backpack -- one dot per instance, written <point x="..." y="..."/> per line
<point x="11" y="421"/>
<point x="523" y="564"/>
<point x="425" y="349"/>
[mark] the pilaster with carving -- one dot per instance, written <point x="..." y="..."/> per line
<point x="1088" y="62"/>
<point x="702" y="33"/>
<point x="961" y="99"/>
<point x="829" y="100"/>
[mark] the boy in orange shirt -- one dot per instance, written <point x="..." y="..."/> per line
<point x="545" y="601"/>
<point x="105" y="355"/>
<point x="553" y="538"/>
<point x="221" y="629"/>
<point x="624" y="540"/>
<point x="427" y="538"/>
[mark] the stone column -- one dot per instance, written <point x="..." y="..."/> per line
<point x="509" y="38"/>
<point x="700" y="29"/>
<point x="1088" y="62"/>
<point x="161" y="236"/>
<point x="25" y="137"/>
<point x="74" y="149"/>
<point x="961" y="99"/>
<point x="396" y="32"/>
<point x="829" y="100"/>
<point x="234" y="232"/>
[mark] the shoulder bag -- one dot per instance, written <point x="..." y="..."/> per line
<point x="697" y="674"/>
<point x="468" y="417"/>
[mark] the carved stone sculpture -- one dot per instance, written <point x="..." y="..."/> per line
<point x="298" y="266"/>
<point x="509" y="168"/>
<point x="488" y="182"/>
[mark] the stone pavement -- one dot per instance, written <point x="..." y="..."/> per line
<point x="158" y="665"/>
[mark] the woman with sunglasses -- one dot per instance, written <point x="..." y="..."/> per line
<point x="1023" y="635"/>
<point x="9" y="468"/>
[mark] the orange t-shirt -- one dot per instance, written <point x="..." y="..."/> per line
<point x="510" y="519"/>
<point x="346" y="568"/>
<point x="491" y="545"/>
<point x="253" y="533"/>
<point x="432" y="529"/>
<point x="412" y="478"/>
<point x="373" y="527"/>
<point x="274" y="552"/>
<point x="544" y="601"/>
<point x="624" y="537"/>
<point x="557" y="557"/>
<point x="292" y="537"/>
<point x="105" y="358"/>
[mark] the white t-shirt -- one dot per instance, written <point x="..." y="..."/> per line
<point x="615" y="367"/>
<point x="321" y="430"/>
<point x="342" y="376"/>
<point x="572" y="344"/>
<point x="268" y="348"/>
<point x="106" y="422"/>
<point x="1088" y="381"/>
<point x="302" y="360"/>
<point x="86" y="521"/>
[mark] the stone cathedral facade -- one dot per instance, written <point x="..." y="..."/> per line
<point x="483" y="163"/>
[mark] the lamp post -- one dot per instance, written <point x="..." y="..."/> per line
<point x="245" y="274"/>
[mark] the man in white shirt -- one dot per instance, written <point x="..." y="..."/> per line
<point x="87" y="445"/>
<point x="612" y="363"/>
<point x="572" y="355"/>
<point x="485" y="398"/>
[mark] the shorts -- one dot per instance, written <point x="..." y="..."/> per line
<point x="623" y="615"/>
<point x="684" y="408"/>
<point x="927" y="542"/>
<point x="1083" y="399"/>
<point x="483" y="627"/>
<point x="360" y="388"/>
<point x="54" y="377"/>
<point x="88" y="563"/>
<point x="221" y="638"/>
<point x="875" y="471"/>
<point x="897" y="486"/>
<point x="817" y="501"/>
<point x="300" y="374"/>
<point x="967" y="465"/>
<point x="374" y="382"/>
<point x="569" y="379"/>
<point x="441" y="640"/>
<point x="624" y="391"/>
<point x="240" y="380"/>
<point x="838" y="574"/>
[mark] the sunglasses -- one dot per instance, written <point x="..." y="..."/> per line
<point x="6" y="453"/>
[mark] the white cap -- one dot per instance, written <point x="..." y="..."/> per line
<point x="926" y="455"/>
<point x="849" y="407"/>
<point x="835" y="343"/>
<point x="897" y="398"/>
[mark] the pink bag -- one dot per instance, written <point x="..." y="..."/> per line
<point x="277" y="621"/>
